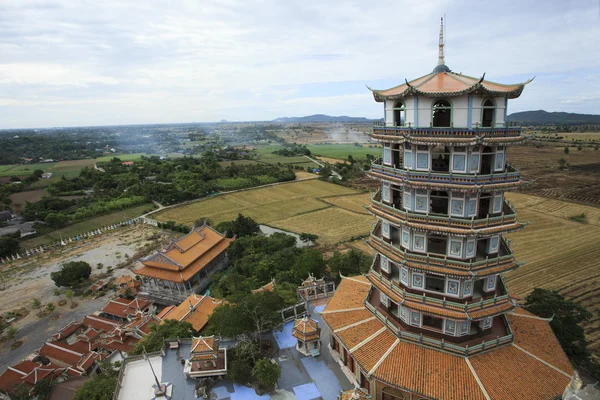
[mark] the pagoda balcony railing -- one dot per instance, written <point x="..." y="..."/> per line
<point x="380" y="128"/>
<point x="467" y="306"/>
<point x="440" y="343"/>
<point x="508" y="215"/>
<point x="510" y="174"/>
<point x="442" y="260"/>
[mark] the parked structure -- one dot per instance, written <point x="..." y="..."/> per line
<point x="185" y="267"/>
<point x="433" y="319"/>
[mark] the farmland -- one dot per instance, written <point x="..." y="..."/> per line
<point x="342" y="151"/>
<point x="561" y="254"/>
<point x="308" y="206"/>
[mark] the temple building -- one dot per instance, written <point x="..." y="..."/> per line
<point x="433" y="318"/>
<point x="206" y="358"/>
<point x="184" y="267"/>
<point x="307" y="333"/>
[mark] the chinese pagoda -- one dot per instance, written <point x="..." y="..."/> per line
<point x="433" y="318"/>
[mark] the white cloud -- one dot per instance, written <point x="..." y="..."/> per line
<point x="143" y="62"/>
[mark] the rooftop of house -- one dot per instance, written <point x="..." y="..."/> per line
<point x="533" y="366"/>
<point x="183" y="258"/>
<point x="196" y="309"/>
<point x="124" y="308"/>
<point x="28" y="373"/>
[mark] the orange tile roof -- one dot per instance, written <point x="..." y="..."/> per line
<point x="204" y="348"/>
<point x="196" y="309"/>
<point x="355" y="289"/>
<point x="266" y="287"/>
<point x="508" y="373"/>
<point x="165" y="312"/>
<point x="185" y="257"/>
<point x="505" y="373"/>
<point x="449" y="84"/>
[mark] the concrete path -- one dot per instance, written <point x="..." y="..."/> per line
<point x="320" y="164"/>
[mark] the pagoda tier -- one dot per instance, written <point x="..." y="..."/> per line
<point x="447" y="136"/>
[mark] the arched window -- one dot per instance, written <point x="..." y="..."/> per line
<point x="489" y="111"/>
<point x="399" y="113"/>
<point x="442" y="114"/>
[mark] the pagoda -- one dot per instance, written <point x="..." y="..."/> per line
<point x="433" y="318"/>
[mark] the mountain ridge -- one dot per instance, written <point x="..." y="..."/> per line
<point x="545" y="117"/>
<point x="324" y="118"/>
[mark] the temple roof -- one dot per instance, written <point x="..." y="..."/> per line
<point x="204" y="348"/>
<point x="533" y="366"/>
<point x="306" y="329"/>
<point x="186" y="256"/>
<point x="196" y="310"/>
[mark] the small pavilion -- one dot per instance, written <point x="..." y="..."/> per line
<point x="313" y="288"/>
<point x="353" y="394"/>
<point x="307" y="332"/>
<point x="206" y="358"/>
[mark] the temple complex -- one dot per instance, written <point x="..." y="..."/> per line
<point x="433" y="318"/>
<point x="184" y="267"/>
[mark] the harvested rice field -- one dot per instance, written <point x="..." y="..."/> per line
<point x="333" y="212"/>
<point x="561" y="253"/>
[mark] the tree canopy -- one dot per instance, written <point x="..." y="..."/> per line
<point x="9" y="246"/>
<point x="170" y="329"/>
<point x="71" y="274"/>
<point x="101" y="386"/>
<point x="240" y="227"/>
<point x="353" y="262"/>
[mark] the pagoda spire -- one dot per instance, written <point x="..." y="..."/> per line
<point x="441" y="44"/>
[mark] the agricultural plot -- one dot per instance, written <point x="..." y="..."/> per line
<point x="561" y="254"/>
<point x="342" y="151"/>
<point x="304" y="206"/>
<point x="87" y="225"/>
<point x="23" y="169"/>
<point x="352" y="203"/>
<point x="18" y="199"/>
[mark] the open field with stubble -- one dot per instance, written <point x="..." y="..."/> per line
<point x="333" y="212"/>
<point x="561" y="254"/>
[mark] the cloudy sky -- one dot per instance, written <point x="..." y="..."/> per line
<point x="72" y="63"/>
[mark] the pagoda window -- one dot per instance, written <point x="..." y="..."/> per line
<point x="474" y="160"/>
<point x="471" y="248"/>
<point x="383" y="299"/>
<point x="497" y="205"/>
<point x="404" y="275"/>
<point x="467" y="288"/>
<point x="405" y="238"/>
<point x="441" y="114"/>
<point x="407" y="200"/>
<point x="499" y="160"/>
<point x="408" y="159"/>
<point x="440" y="159"/>
<point x="457" y="205"/>
<point x="435" y="284"/>
<point x="387" y="155"/>
<point x="422" y="158"/>
<point x="385" y="264"/>
<point x="453" y="287"/>
<point x="421" y="201"/>
<point x="402" y="313"/>
<point x="385" y="192"/>
<point x="432" y="322"/>
<point x="450" y="327"/>
<point x="485" y="201"/>
<point x="419" y="243"/>
<point x="486" y="323"/>
<point x="493" y="244"/>
<point x="399" y="113"/>
<point x="439" y="202"/>
<point x="417" y="280"/>
<point x="490" y="283"/>
<point x="455" y="247"/>
<point x="488" y="114"/>
<point x="459" y="159"/>
<point x="385" y="229"/>
<point x="463" y="328"/>
<point x="415" y="318"/>
<point x="487" y="160"/>
<point x="472" y="212"/>
<point x="436" y="244"/>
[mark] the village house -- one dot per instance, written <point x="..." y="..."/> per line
<point x="184" y="267"/>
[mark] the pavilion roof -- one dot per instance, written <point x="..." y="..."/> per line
<point x="268" y="287"/>
<point x="196" y="309"/>
<point x="186" y="256"/>
<point x="534" y="366"/>
<point x="123" y="308"/>
<point x="204" y="348"/>
<point x="449" y="84"/>
<point x="306" y="329"/>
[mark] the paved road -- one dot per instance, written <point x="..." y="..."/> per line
<point x="319" y="163"/>
<point x="36" y="332"/>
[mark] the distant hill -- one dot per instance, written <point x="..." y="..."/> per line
<point x="323" y="118"/>
<point x="544" y="117"/>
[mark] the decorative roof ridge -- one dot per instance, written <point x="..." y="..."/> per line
<point x="474" y="373"/>
<point x="382" y="359"/>
<point x="159" y="254"/>
<point x="65" y="349"/>
<point x="362" y="321"/>
<point x="202" y="339"/>
<point x="18" y="371"/>
<point x="343" y="310"/>
<point x="542" y="361"/>
<point x="350" y="278"/>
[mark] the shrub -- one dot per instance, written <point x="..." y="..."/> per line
<point x="71" y="274"/>
<point x="267" y="373"/>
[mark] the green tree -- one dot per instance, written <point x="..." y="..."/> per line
<point x="100" y="387"/>
<point x="56" y="220"/>
<point x="69" y="295"/>
<point x="71" y="274"/>
<point x="38" y="173"/>
<point x="43" y="388"/>
<point x="36" y="304"/>
<point x="308" y="237"/>
<point x="267" y="373"/>
<point x="566" y="150"/>
<point x="9" y="246"/>
<point x="243" y="358"/>
<point x="11" y="334"/>
<point x="240" y="227"/>
<point x="50" y="307"/>
<point x="170" y="329"/>
<point x="566" y="319"/>
<point x="353" y="262"/>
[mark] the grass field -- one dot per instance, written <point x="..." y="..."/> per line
<point x="342" y="151"/>
<point x="23" y="169"/>
<point x="87" y="225"/>
<point x="561" y="254"/>
<point x="305" y="206"/>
